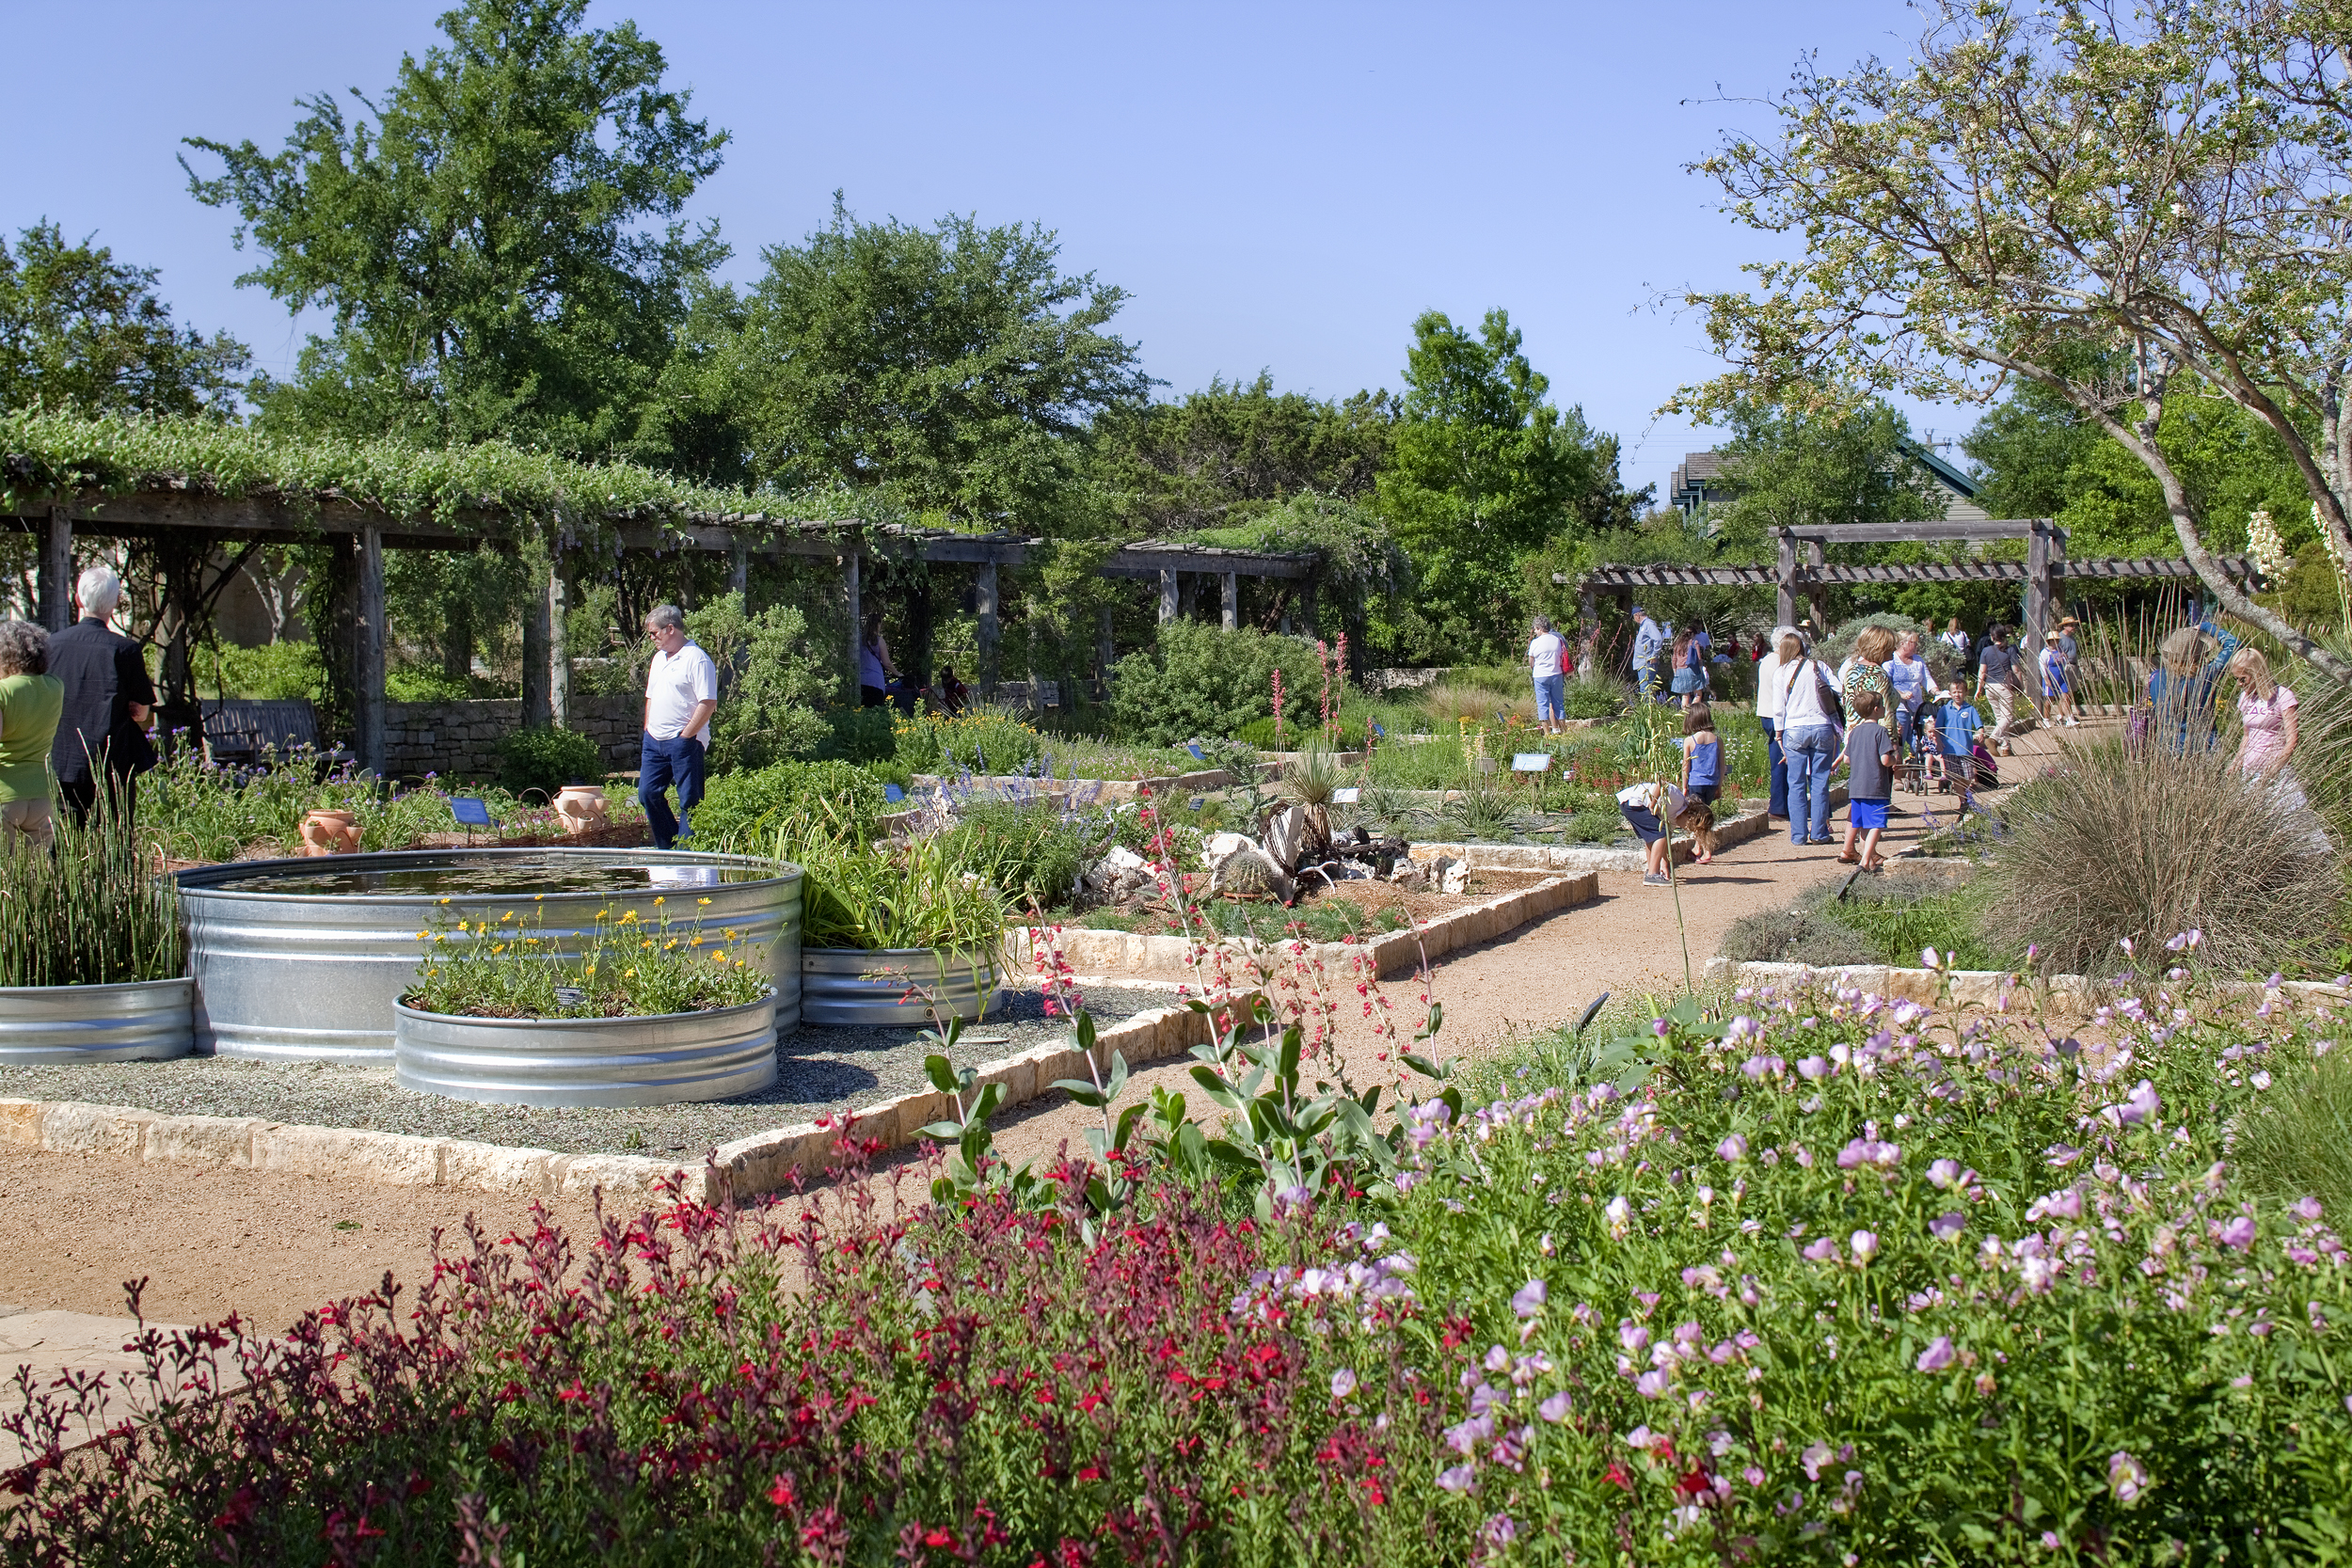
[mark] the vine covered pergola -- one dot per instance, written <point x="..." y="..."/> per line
<point x="222" y="487"/>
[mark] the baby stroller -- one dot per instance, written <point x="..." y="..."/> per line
<point x="1988" y="772"/>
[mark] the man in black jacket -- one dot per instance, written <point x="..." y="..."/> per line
<point x="103" y="734"/>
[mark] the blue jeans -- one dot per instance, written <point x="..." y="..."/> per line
<point x="1552" y="698"/>
<point x="659" y="764"/>
<point x="1811" y="748"/>
<point x="1780" y="768"/>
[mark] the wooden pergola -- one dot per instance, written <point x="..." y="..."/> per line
<point x="1802" y="571"/>
<point x="367" y="532"/>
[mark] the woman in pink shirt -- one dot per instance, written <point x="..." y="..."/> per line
<point x="2268" y="711"/>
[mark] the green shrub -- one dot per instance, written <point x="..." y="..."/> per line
<point x="1594" y="827"/>
<point x="546" y="760"/>
<point x="277" y="672"/>
<point x="1595" y="696"/>
<point x="628" y="969"/>
<point x="1833" y="648"/>
<point x="1030" y="852"/>
<point x="2299" y="1144"/>
<point x="1203" y="681"/>
<point x="743" y="812"/>
<point x="770" y="684"/>
<point x="980" y="739"/>
<point x="1880" y="920"/>
<point x="416" y="685"/>
<point x="859" y="735"/>
<point x="904" y="894"/>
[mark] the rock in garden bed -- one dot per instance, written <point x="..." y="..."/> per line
<point x="820" y="1072"/>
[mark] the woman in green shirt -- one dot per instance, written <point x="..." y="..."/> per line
<point x="31" y="700"/>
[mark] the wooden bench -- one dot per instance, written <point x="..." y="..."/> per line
<point x="239" y="730"/>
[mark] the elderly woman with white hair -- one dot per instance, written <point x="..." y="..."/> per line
<point x="30" y="701"/>
<point x="102" y="738"/>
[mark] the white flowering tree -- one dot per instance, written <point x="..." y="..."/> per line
<point x="2168" y="184"/>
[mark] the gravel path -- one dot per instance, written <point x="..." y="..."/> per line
<point x="821" y="1070"/>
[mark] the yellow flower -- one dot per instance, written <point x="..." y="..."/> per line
<point x="658" y="901"/>
<point x="702" y="900"/>
<point x="508" y="915"/>
<point x="424" y="935"/>
<point x="717" y="958"/>
<point x="628" y="974"/>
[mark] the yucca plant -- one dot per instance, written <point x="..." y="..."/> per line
<point x="94" y="912"/>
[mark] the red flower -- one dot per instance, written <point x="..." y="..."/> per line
<point x="781" y="1492"/>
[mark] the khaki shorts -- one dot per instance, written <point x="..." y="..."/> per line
<point x="28" y="817"/>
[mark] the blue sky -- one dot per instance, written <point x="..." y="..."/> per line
<point x="1278" y="186"/>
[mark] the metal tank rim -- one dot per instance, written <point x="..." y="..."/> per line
<point x="598" y="1048"/>
<point x="205" y="878"/>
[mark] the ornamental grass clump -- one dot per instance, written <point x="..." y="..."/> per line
<point x="628" y="967"/>
<point x="897" y="895"/>
<point x="2120" y="847"/>
<point x="96" y="912"/>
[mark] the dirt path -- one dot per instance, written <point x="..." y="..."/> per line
<point x="214" y="1241"/>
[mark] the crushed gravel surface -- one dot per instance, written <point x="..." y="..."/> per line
<point x="820" y="1071"/>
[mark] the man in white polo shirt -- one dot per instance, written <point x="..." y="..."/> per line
<point x="681" y="694"/>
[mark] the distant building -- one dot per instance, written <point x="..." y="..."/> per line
<point x="1698" y="481"/>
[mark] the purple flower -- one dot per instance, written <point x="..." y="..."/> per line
<point x="2238" y="1234"/>
<point x="1529" y="1300"/>
<point x="2305" y="1209"/>
<point x="1458" y="1479"/>
<point x="1938" y="1356"/>
<point x="1342" y="1383"/>
<point x="1866" y="1246"/>
<point x="2141" y="1105"/>
<point x="2127" y="1478"/>
<point x="1555" y="1409"/>
<point x="1947" y="1227"/>
<point x="1812" y="1066"/>
<point x="1732" y="1149"/>
<point x="1822" y="1251"/>
<point x="1633" y="1336"/>
<point x="1651" y="1384"/>
<point x="1944" y="1173"/>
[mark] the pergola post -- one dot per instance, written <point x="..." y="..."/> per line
<point x="1813" y="588"/>
<point x="985" y="602"/>
<point x="1232" y="601"/>
<point x="740" y="572"/>
<point x="857" y="620"/>
<point x="57" y="571"/>
<point x="558" y="654"/>
<point x="369" y="674"/>
<point x="1105" y="651"/>
<point x="1587" y="632"/>
<point x="1167" y="594"/>
<point x="1788" y="604"/>
<point x="2038" y="588"/>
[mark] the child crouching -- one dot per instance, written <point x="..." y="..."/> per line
<point x="1642" y="804"/>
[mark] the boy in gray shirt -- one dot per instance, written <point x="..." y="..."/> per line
<point x="1871" y="751"/>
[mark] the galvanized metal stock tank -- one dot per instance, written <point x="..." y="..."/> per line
<point x="852" y="986"/>
<point x="589" y="1061"/>
<point x="314" y="976"/>
<point x="140" y="1020"/>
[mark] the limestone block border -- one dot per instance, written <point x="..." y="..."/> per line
<point x="1971" y="987"/>
<point x="744" y="1168"/>
<point x="1732" y="831"/>
<point x="1115" y="954"/>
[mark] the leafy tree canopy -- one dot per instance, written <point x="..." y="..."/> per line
<point x="2123" y="204"/>
<point x="953" y="367"/>
<point x="1794" y="466"/>
<point x="1217" y="456"/>
<point x="475" y="232"/>
<point x="1481" y="470"/>
<point x="79" y="329"/>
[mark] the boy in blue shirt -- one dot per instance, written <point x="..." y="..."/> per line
<point x="1956" y="723"/>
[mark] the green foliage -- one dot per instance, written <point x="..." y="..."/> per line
<point x="1879" y="920"/>
<point x="409" y="684"/>
<point x="80" y="330"/>
<point x="1203" y="681"/>
<point x="545" y="760"/>
<point x="769" y="682"/>
<point x="278" y="671"/>
<point x="743" y="811"/>
<point x="1480" y="472"/>
<point x="2298" y="1141"/>
<point x="1833" y="650"/>
<point x="472" y="234"/>
<point x="1229" y="453"/>
<point x="96" y="912"/>
<point x="1031" y="851"/>
<point x="628" y="968"/>
<point x="980" y="739"/>
<point x="859" y="735"/>
<point x="1790" y="467"/>
<point x="1359" y="560"/>
<point x="905" y="894"/>
<point x="951" y="366"/>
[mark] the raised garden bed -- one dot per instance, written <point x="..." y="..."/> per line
<point x="661" y="1060"/>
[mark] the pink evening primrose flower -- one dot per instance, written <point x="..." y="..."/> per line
<point x="1947" y="1227"/>
<point x="1342" y="1383"/>
<point x="1938" y="1356"/>
<point x="1822" y="1251"/>
<point x="1529" y="1299"/>
<point x="1651" y="1384"/>
<point x="1944" y="1173"/>
<point x="1732" y="1149"/>
<point x="1555" y="1409"/>
<point x="1866" y="1246"/>
<point x="1458" y="1479"/>
<point x="2127" y="1478"/>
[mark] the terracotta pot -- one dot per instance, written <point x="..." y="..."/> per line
<point x="580" y="808"/>
<point x="330" y="832"/>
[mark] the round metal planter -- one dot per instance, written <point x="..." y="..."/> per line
<point x="588" y="1061"/>
<point x="314" y="976"/>
<point x="850" y="986"/>
<point x="140" y="1020"/>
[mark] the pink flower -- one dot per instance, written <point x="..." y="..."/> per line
<point x="1458" y="1479"/>
<point x="2127" y="1478"/>
<point x="1866" y="1246"/>
<point x="1947" y="1227"/>
<point x="1651" y="1384"/>
<point x="1944" y="1173"/>
<point x="2238" y="1234"/>
<point x="1633" y="1336"/>
<point x="1555" y="1409"/>
<point x="1342" y="1383"/>
<point x="1529" y="1300"/>
<point x="2305" y="1209"/>
<point x="1732" y="1149"/>
<point x="1938" y="1354"/>
<point x="1822" y="1251"/>
<point x="2141" y="1106"/>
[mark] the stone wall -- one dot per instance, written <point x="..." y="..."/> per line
<point x="461" y="739"/>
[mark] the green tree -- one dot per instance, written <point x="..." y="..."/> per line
<point x="1218" y="456"/>
<point x="952" y="367"/>
<point x="1794" y="468"/>
<point x="1481" y="470"/>
<point x="2126" y="206"/>
<point x="78" y="328"/>
<point x="474" y="232"/>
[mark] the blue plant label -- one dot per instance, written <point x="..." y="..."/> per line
<point x="1531" y="762"/>
<point x="470" y="811"/>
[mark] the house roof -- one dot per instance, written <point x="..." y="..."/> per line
<point x="1699" y="477"/>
